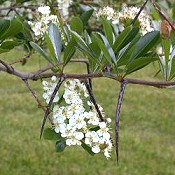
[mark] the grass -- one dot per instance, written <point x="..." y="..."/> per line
<point x="147" y="135"/>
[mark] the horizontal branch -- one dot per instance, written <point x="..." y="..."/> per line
<point x="40" y="74"/>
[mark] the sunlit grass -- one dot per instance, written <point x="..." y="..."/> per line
<point x="147" y="135"/>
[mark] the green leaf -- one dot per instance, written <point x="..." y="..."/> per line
<point x="42" y="52"/>
<point x="60" y="145"/>
<point x="171" y="69"/>
<point x="69" y="51"/>
<point x="166" y="43"/>
<point x="50" y="47"/>
<point x="50" y="134"/>
<point x="126" y="36"/>
<point x="139" y="63"/>
<point x="76" y="25"/>
<point x="106" y="48"/>
<point x="145" y="44"/>
<point x="84" y="47"/>
<point x="8" y="45"/>
<point x="4" y="25"/>
<point x="55" y="38"/>
<point x="108" y="31"/>
<point x="95" y="128"/>
<point x="125" y="53"/>
<point x="86" y="16"/>
<point x="14" y="28"/>
<point x="87" y="148"/>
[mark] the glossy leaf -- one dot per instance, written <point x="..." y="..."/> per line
<point x="139" y="63"/>
<point x="4" y="25"/>
<point x="84" y="47"/>
<point x="171" y="69"/>
<point x="42" y="52"/>
<point x="125" y="53"/>
<point x="8" y="45"/>
<point x="87" y="148"/>
<point x="108" y="30"/>
<point x="50" y="134"/>
<point x="50" y="47"/>
<point x="14" y="28"/>
<point x="145" y="44"/>
<point x="166" y="43"/>
<point x="76" y="25"/>
<point x="86" y="16"/>
<point x="106" y="48"/>
<point x="55" y="38"/>
<point x="60" y="145"/>
<point x="124" y="38"/>
<point x="69" y="51"/>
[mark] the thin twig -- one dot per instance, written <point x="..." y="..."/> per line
<point x="93" y="100"/>
<point x="87" y="66"/>
<point x="136" y="17"/>
<point x="47" y="112"/>
<point x="13" y="7"/>
<point x="22" y="60"/>
<point x="163" y="16"/>
<point x="34" y="95"/>
<point x="119" y="104"/>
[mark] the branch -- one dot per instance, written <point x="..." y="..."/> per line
<point x="47" y="112"/>
<point x="136" y="17"/>
<point x="14" y="7"/>
<point x="37" y="75"/>
<point x="93" y="100"/>
<point x="163" y="16"/>
<point x="34" y="95"/>
<point x="22" y="60"/>
<point x="119" y="104"/>
<point x="87" y="66"/>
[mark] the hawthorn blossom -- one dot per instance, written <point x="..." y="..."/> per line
<point x="125" y="16"/>
<point x="45" y="17"/>
<point x="48" y="91"/>
<point x="76" y="120"/>
<point x="63" y="6"/>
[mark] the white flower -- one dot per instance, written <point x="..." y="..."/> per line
<point x="92" y="117"/>
<point x="108" y="120"/>
<point x="71" y="97"/>
<point x="126" y="13"/>
<point x="96" y="149"/>
<point x="74" y="122"/>
<point x="106" y="153"/>
<point x="54" y="78"/>
<point x="67" y="131"/>
<point x="77" y="121"/>
<point x="45" y="10"/>
<point x="72" y="141"/>
<point x="78" y="135"/>
<point x="91" y="137"/>
<point x="63" y="5"/>
<point x="48" y="91"/>
<point x="40" y="27"/>
<point x="59" y="127"/>
<point x="106" y="11"/>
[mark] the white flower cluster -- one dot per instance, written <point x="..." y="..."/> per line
<point x="63" y="6"/>
<point x="127" y="13"/>
<point x="48" y="90"/>
<point x="77" y="120"/>
<point x="45" y="18"/>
